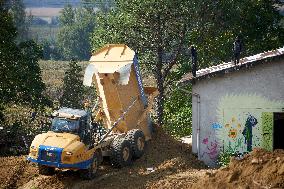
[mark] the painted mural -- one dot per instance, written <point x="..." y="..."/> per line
<point x="243" y="122"/>
<point x="267" y="128"/>
<point x="211" y="147"/>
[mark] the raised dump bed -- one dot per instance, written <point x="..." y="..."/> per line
<point x="115" y="72"/>
<point x="118" y="128"/>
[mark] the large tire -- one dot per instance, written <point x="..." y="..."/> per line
<point x="45" y="170"/>
<point x="137" y="142"/>
<point x="121" y="154"/>
<point x="91" y="172"/>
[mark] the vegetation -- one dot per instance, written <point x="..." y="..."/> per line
<point x="76" y="28"/>
<point x="72" y="86"/>
<point x="161" y="32"/>
<point x="21" y="21"/>
<point x="21" y="84"/>
<point x="177" y="113"/>
<point x="26" y="87"/>
<point x="224" y="158"/>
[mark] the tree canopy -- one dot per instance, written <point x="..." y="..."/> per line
<point x="72" y="86"/>
<point x="74" y="36"/>
<point x="161" y="31"/>
<point x="20" y="79"/>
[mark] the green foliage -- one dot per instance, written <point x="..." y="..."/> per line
<point x="67" y="16"/>
<point x="20" y="75"/>
<point x="177" y="113"/>
<point x="224" y="157"/>
<point x="32" y="86"/>
<point x="21" y="21"/>
<point x="20" y="127"/>
<point x="161" y="32"/>
<point x="72" y="87"/>
<point x="219" y="22"/>
<point x="155" y="29"/>
<point x="50" y="50"/>
<point x="20" y="79"/>
<point x="73" y="37"/>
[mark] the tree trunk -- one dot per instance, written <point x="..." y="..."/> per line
<point x="160" y="85"/>
<point x="160" y="103"/>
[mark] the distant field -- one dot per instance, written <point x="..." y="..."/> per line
<point x="43" y="11"/>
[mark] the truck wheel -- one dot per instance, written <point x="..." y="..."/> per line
<point x="121" y="153"/>
<point x="45" y="170"/>
<point x="91" y="172"/>
<point x="137" y="142"/>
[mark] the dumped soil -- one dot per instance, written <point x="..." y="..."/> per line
<point x="167" y="163"/>
<point x="259" y="169"/>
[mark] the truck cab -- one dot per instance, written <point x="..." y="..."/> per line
<point x="68" y="144"/>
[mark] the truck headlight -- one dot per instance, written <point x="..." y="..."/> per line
<point x="69" y="153"/>
<point x="33" y="148"/>
<point x="33" y="153"/>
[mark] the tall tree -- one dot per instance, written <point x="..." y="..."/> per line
<point x="72" y="86"/>
<point x="73" y="38"/>
<point x="21" y="20"/>
<point x="155" y="29"/>
<point x="67" y="16"/>
<point x="20" y="79"/>
<point x="219" y="22"/>
<point x="8" y="34"/>
<point x="162" y="30"/>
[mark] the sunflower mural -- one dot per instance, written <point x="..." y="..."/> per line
<point x="242" y="119"/>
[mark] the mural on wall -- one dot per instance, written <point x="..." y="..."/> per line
<point x="247" y="132"/>
<point x="245" y="122"/>
<point x="267" y="128"/>
<point x="210" y="147"/>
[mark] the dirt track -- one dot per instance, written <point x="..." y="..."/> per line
<point x="173" y="167"/>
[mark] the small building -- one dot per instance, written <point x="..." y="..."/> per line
<point x="238" y="108"/>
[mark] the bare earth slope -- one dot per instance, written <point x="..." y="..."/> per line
<point x="259" y="169"/>
<point x="172" y="162"/>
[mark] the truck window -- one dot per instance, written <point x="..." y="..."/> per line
<point x="65" y="125"/>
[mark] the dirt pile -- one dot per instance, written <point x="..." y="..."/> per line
<point x="259" y="169"/>
<point x="167" y="163"/>
<point x="15" y="171"/>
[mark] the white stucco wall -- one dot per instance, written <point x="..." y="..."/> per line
<point x="233" y="102"/>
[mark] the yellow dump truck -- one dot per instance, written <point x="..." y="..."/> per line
<point x="117" y="126"/>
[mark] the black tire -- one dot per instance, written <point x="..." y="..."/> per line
<point x="45" y="170"/>
<point x="137" y="142"/>
<point x="121" y="153"/>
<point x="90" y="173"/>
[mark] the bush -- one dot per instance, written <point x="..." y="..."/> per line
<point x="177" y="113"/>
<point x="224" y="157"/>
<point x="19" y="126"/>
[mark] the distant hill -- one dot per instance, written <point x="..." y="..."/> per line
<point x="50" y="3"/>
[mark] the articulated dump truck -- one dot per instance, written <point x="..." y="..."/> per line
<point x="117" y="127"/>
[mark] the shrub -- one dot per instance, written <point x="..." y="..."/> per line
<point x="177" y="114"/>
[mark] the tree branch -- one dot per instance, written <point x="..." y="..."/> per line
<point x="176" y="55"/>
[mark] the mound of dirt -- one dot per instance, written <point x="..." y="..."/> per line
<point x="167" y="163"/>
<point x="15" y="171"/>
<point x="259" y="169"/>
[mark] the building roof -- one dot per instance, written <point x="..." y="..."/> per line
<point x="229" y="67"/>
